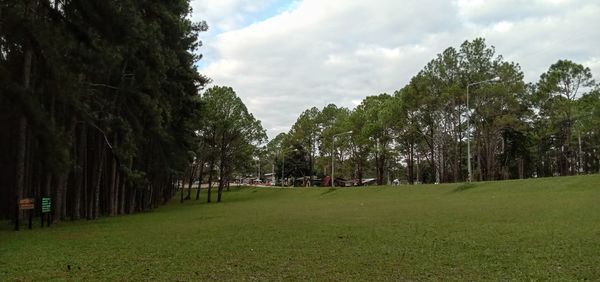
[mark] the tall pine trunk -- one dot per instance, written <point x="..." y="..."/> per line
<point x="210" y="179"/>
<point x="80" y="175"/>
<point x="411" y="175"/>
<point x="191" y="182"/>
<point x="20" y="169"/>
<point x="122" y="200"/>
<point x="102" y="155"/>
<point x="23" y="123"/>
<point x="199" y="180"/>
<point x="59" y="197"/>
<point x="112" y="195"/>
<point x="114" y="184"/>
<point x="221" y="180"/>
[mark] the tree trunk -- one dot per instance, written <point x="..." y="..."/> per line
<point x="23" y="123"/>
<point x="59" y="205"/>
<point x="114" y="182"/>
<point x="432" y="147"/>
<point x="132" y="200"/>
<point x="440" y="162"/>
<point x="191" y="182"/>
<point x="180" y="189"/>
<point x="122" y="194"/>
<point x="115" y="200"/>
<point x="479" y="159"/>
<point x="359" y="174"/>
<point x="410" y="164"/>
<point x="80" y="172"/>
<point x="102" y="153"/>
<point x="418" y="167"/>
<point x="221" y="181"/>
<point x="210" y="178"/>
<point x="457" y="163"/>
<point x="312" y="162"/>
<point x="199" y="180"/>
<point x="91" y="171"/>
<point x="20" y="170"/>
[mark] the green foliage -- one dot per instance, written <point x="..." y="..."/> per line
<point x="564" y="100"/>
<point x="232" y="134"/>
<point x="95" y="92"/>
<point x="420" y="133"/>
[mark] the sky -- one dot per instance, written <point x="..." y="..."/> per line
<point x="283" y="56"/>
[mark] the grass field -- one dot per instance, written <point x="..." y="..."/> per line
<point x="542" y="229"/>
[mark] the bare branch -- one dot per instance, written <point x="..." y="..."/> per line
<point x="103" y="85"/>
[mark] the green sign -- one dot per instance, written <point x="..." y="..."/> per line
<point x="46" y="204"/>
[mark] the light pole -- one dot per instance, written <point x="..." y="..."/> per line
<point x="333" y="156"/>
<point x="495" y="79"/>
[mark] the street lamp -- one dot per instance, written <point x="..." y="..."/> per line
<point x="333" y="156"/>
<point x="495" y="79"/>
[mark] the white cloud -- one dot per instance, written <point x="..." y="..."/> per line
<point x="340" y="51"/>
<point x="225" y="15"/>
<point x="594" y="64"/>
<point x="503" y="26"/>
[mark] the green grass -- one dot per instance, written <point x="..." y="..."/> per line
<point x="543" y="229"/>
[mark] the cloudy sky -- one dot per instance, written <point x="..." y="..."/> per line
<point x="284" y="56"/>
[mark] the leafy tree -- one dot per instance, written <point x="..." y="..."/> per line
<point x="587" y="130"/>
<point x="557" y="92"/>
<point x="234" y="134"/>
<point x="274" y="152"/>
<point x="305" y="133"/>
<point x="109" y="107"/>
<point x="334" y="120"/>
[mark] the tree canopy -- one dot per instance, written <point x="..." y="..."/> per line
<point x="97" y="114"/>
<point x="420" y="133"/>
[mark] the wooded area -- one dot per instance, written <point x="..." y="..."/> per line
<point x="419" y="133"/>
<point x="99" y="103"/>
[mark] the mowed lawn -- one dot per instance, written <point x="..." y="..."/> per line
<point x="542" y="229"/>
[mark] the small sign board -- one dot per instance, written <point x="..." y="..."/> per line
<point x="46" y="205"/>
<point x="26" y="204"/>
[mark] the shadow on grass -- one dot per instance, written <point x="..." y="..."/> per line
<point x="330" y="190"/>
<point x="464" y="187"/>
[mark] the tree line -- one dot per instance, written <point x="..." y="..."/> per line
<point x="422" y="132"/>
<point x="99" y="103"/>
<point x="105" y="118"/>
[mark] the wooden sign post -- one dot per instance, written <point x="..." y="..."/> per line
<point x="25" y="204"/>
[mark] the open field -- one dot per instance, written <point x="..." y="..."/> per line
<point x="542" y="229"/>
